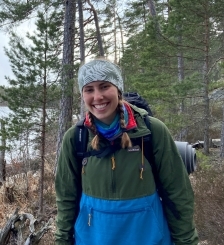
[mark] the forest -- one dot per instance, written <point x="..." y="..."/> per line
<point x="171" y="52"/>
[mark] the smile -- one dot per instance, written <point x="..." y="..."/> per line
<point x="102" y="106"/>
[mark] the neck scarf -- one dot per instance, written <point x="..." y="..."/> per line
<point x="114" y="130"/>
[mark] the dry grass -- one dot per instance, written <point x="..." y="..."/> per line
<point x="208" y="187"/>
<point x="25" y="193"/>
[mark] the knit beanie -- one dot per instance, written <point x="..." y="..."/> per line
<point x="100" y="70"/>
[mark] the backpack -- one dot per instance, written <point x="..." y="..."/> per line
<point x="81" y="141"/>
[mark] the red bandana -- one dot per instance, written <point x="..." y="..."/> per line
<point x="131" y="119"/>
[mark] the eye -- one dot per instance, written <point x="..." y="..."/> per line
<point x="88" y="90"/>
<point x="105" y="86"/>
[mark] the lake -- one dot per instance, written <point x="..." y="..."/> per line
<point x="21" y="148"/>
<point x="4" y="111"/>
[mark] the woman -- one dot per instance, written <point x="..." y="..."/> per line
<point x="112" y="200"/>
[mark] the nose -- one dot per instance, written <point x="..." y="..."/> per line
<point x="98" y="95"/>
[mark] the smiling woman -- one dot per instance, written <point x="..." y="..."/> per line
<point x="111" y="196"/>
<point x="101" y="99"/>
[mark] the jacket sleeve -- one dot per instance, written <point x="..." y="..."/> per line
<point x="175" y="181"/>
<point x="68" y="190"/>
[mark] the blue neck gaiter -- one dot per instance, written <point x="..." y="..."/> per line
<point x="113" y="130"/>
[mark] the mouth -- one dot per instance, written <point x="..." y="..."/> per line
<point x="101" y="106"/>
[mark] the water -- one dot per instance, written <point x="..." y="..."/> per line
<point x="4" y="111"/>
<point x="21" y="148"/>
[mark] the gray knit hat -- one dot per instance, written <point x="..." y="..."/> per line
<point x="100" y="70"/>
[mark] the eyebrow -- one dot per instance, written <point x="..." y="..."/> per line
<point x="90" y="86"/>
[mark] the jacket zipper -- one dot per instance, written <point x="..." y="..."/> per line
<point x="90" y="217"/>
<point x="113" y="166"/>
<point x="113" y="173"/>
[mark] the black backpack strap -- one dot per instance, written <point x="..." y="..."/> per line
<point x="148" y="153"/>
<point x="81" y="140"/>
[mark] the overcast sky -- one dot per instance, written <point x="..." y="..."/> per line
<point x="5" y="69"/>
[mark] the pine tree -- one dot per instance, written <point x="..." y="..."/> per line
<point x="14" y="12"/>
<point x="36" y="69"/>
<point x="200" y="24"/>
<point x="67" y="76"/>
<point x="177" y="68"/>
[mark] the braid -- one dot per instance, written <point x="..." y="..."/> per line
<point x="125" y="140"/>
<point x="95" y="140"/>
<point x="120" y="109"/>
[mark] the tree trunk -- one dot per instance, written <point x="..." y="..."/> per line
<point x="81" y="33"/>
<point x="152" y="11"/>
<point x="222" y="135"/>
<point x="99" y="38"/>
<point x="152" y="8"/>
<point x="180" y="62"/>
<point x="115" y="37"/>
<point x="43" y="131"/>
<point x="4" y="233"/>
<point x="206" y="89"/>
<point x="122" y="35"/>
<point x="2" y="153"/>
<point x="16" y="230"/>
<point x="82" y="50"/>
<point x="65" y="117"/>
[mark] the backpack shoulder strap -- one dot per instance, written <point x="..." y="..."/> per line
<point x="148" y="147"/>
<point x="148" y="153"/>
<point x="81" y="140"/>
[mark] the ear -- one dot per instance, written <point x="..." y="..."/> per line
<point x="119" y="94"/>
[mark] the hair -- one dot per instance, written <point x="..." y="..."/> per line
<point x="125" y="139"/>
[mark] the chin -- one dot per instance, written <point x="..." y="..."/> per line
<point x="101" y="118"/>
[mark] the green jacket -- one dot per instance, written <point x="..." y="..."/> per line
<point x="99" y="180"/>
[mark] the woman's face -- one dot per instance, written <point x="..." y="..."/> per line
<point x="101" y="99"/>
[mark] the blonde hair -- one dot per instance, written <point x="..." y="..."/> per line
<point x="125" y="139"/>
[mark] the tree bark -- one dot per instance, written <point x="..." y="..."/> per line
<point x="19" y="225"/>
<point x="43" y="131"/>
<point x="2" y="153"/>
<point x="4" y="233"/>
<point x="81" y="33"/>
<point x="180" y="66"/>
<point x="99" y="37"/>
<point x="152" y="11"/>
<point x="115" y="36"/>
<point x="121" y="32"/>
<point x="82" y="50"/>
<point x="65" y="117"/>
<point x="206" y="88"/>
<point x="222" y="135"/>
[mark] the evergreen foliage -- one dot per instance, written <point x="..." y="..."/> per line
<point x="36" y="69"/>
<point x="33" y="65"/>
<point x="151" y="60"/>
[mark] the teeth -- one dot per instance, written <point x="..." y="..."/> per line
<point x="100" y="106"/>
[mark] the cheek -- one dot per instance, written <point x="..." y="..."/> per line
<point x="85" y="98"/>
